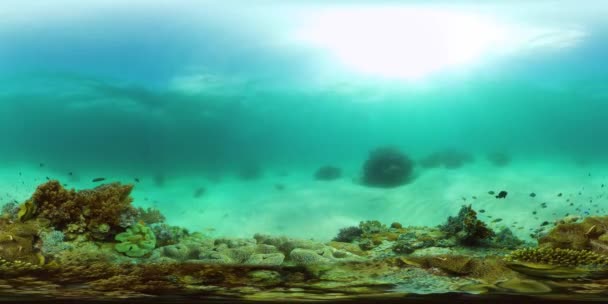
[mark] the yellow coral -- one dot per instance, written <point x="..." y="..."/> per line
<point x="557" y="256"/>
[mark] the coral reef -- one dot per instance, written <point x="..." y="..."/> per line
<point x="18" y="240"/>
<point x="371" y="259"/>
<point x="466" y="228"/>
<point x="328" y="173"/>
<point x="557" y="256"/>
<point x="387" y="167"/>
<point x="348" y="234"/>
<point x="137" y="241"/>
<point x="590" y="234"/>
<point x="167" y="234"/>
<point x="96" y="211"/>
<point x="53" y="243"/>
<point x="149" y="216"/>
<point x="10" y="211"/>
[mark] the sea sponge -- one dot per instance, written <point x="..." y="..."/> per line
<point x="466" y="228"/>
<point x="387" y="167"/>
<point x="137" y="241"/>
<point x="558" y="256"/>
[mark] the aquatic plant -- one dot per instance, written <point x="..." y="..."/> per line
<point x="137" y="241"/>
<point x="387" y="167"/>
<point x="348" y="234"/>
<point x="328" y="173"/>
<point x="558" y="256"/>
<point x="466" y="228"/>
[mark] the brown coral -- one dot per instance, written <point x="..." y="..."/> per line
<point x="587" y="235"/>
<point x="97" y="210"/>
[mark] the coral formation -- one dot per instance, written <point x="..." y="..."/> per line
<point x="348" y="234"/>
<point x="387" y="167"/>
<point x="558" y="256"/>
<point x="137" y="241"/>
<point x="328" y="173"/>
<point x="466" y="228"/>
<point x="96" y="211"/>
<point x="590" y="234"/>
<point x="10" y="211"/>
<point x="149" y="216"/>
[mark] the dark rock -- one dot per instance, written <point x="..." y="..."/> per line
<point x="386" y="168"/>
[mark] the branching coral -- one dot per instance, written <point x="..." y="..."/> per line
<point x="96" y="211"/>
<point x="466" y="228"/>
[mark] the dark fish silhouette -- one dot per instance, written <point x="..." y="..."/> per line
<point x="502" y="194"/>
<point x="532" y="194"/>
<point x="99" y="179"/>
<point x="199" y="192"/>
<point x="491" y="192"/>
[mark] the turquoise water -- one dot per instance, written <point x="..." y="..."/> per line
<point x="183" y="99"/>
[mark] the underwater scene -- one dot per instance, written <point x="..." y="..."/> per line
<point x="303" y="151"/>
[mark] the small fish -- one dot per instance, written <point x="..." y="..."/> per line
<point x="482" y="211"/>
<point x="41" y="165"/>
<point x="199" y="192"/>
<point x="474" y="197"/>
<point x="534" y="212"/>
<point x="136" y="180"/>
<point x="98" y="179"/>
<point x="545" y="223"/>
<point x="48" y="178"/>
<point x="502" y="194"/>
<point x="491" y="192"/>
<point x="559" y="194"/>
<point x="532" y="194"/>
<point x="496" y="220"/>
<point x="70" y="173"/>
